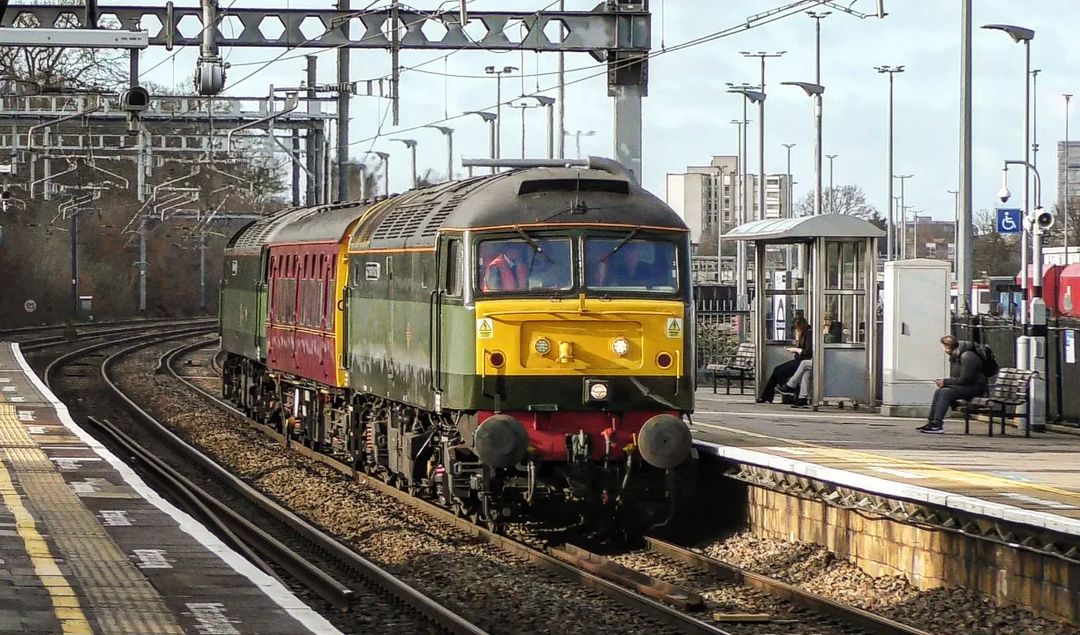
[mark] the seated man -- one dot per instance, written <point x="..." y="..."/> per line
<point x="507" y="270"/>
<point x="967" y="380"/>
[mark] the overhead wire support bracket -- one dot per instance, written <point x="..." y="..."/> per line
<point x="292" y="100"/>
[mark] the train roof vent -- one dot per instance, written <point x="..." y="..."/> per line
<point x="435" y="221"/>
<point x="614" y="186"/>
<point x="401" y="222"/>
<point x="255" y="234"/>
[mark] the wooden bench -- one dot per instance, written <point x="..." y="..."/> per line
<point x="739" y="366"/>
<point x="1009" y="389"/>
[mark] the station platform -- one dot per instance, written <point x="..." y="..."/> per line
<point x="1031" y="481"/>
<point x="87" y="547"/>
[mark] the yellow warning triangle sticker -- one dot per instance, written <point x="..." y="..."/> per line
<point x="674" y="327"/>
<point x="484" y="328"/>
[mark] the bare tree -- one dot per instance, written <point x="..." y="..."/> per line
<point x="842" y="199"/>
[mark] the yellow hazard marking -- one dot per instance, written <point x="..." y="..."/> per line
<point x="65" y="604"/>
<point x="485" y="329"/>
<point x="860" y="459"/>
<point x="674" y="328"/>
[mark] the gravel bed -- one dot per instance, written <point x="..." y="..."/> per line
<point x="498" y="592"/>
<point x="941" y="610"/>
<point x="728" y="598"/>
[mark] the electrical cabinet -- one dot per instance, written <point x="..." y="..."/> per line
<point x="916" y="316"/>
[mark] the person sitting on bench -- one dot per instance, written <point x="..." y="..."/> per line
<point x="783" y="372"/>
<point x="967" y="380"/>
<point x="833" y="333"/>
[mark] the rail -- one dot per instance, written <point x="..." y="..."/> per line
<point x="655" y="610"/>
<point x="311" y="576"/>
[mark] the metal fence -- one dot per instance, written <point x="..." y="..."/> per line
<point x="1062" y="363"/>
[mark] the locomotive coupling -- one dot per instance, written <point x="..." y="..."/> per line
<point x="500" y="441"/>
<point x="665" y="441"/>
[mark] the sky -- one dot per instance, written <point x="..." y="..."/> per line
<point x="687" y="113"/>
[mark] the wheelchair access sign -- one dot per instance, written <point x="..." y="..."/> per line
<point x="1008" y="221"/>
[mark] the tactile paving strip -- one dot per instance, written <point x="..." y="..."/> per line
<point x="118" y="596"/>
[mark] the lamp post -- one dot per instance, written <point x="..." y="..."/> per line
<point x="578" y="134"/>
<point x="760" y="100"/>
<point x="891" y="230"/>
<point x="1023" y="35"/>
<point x="385" y="158"/>
<point x="491" y="120"/>
<point x="523" y="106"/>
<point x="740" y="212"/>
<point x="832" y="192"/>
<point x="815" y="92"/>
<point x="548" y="103"/>
<point x="449" y="133"/>
<point x="915" y="231"/>
<point x="741" y="291"/>
<point x="411" y="145"/>
<point x="956" y="234"/>
<point x="1031" y="345"/>
<point x="491" y="70"/>
<point x="787" y="194"/>
<point x="1065" y="202"/>
<point x="901" y="235"/>
<point x="1035" y="117"/>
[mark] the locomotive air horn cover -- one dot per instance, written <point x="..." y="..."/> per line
<point x="664" y="441"/>
<point x="500" y="441"/>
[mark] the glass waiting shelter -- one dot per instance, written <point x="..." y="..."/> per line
<point x="822" y="269"/>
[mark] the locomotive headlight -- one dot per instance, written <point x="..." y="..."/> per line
<point x="542" y="346"/>
<point x="598" y="390"/>
<point x="620" y="346"/>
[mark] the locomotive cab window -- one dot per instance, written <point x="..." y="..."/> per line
<point x="517" y="264"/>
<point x="453" y="268"/>
<point x="631" y="264"/>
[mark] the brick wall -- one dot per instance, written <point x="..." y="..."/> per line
<point x="927" y="558"/>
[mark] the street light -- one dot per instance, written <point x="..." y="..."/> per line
<point x="548" y="102"/>
<point x="815" y="92"/>
<point x="762" y="55"/>
<point x="902" y="234"/>
<point x="1065" y="206"/>
<point x="1023" y="35"/>
<point x="578" y="134"/>
<point x="915" y="231"/>
<point x="491" y="70"/>
<point x="411" y="145"/>
<point x="449" y="132"/>
<point x="523" y="106"/>
<point x="491" y="120"/>
<point x="742" y="295"/>
<point x="757" y="97"/>
<point x="790" y="203"/>
<point x="832" y="192"/>
<point x="385" y="158"/>
<point x="891" y="233"/>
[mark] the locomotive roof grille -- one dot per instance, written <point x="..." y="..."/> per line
<point x="613" y="186"/>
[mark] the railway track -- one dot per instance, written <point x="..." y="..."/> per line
<point x="807" y="608"/>
<point x="276" y="540"/>
<point x="42" y="336"/>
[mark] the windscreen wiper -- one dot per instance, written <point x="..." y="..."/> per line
<point x="533" y="243"/>
<point x="620" y="244"/>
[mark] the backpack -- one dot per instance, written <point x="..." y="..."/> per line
<point x="989" y="362"/>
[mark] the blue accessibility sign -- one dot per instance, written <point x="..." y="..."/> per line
<point x="1008" y="221"/>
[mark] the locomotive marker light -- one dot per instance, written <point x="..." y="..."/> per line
<point x="620" y="346"/>
<point x="597" y="390"/>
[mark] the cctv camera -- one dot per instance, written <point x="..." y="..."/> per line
<point x="1004" y="194"/>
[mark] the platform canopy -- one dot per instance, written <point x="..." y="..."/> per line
<point x="805" y="229"/>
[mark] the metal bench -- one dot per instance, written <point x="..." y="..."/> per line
<point x="1009" y="389"/>
<point x="739" y="366"/>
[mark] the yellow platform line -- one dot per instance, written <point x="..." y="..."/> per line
<point x="65" y="602"/>
<point x="861" y="458"/>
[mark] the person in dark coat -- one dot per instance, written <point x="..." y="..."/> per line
<point x="967" y="380"/>
<point x="783" y="372"/>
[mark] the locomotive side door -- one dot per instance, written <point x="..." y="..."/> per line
<point x="448" y="292"/>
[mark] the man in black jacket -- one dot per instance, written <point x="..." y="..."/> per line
<point x="967" y="381"/>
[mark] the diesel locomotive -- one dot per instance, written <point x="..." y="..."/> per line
<point x="499" y="343"/>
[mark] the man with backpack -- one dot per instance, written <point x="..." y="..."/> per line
<point x="971" y="365"/>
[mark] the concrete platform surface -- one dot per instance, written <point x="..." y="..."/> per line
<point x="1033" y="481"/>
<point x="87" y="547"/>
